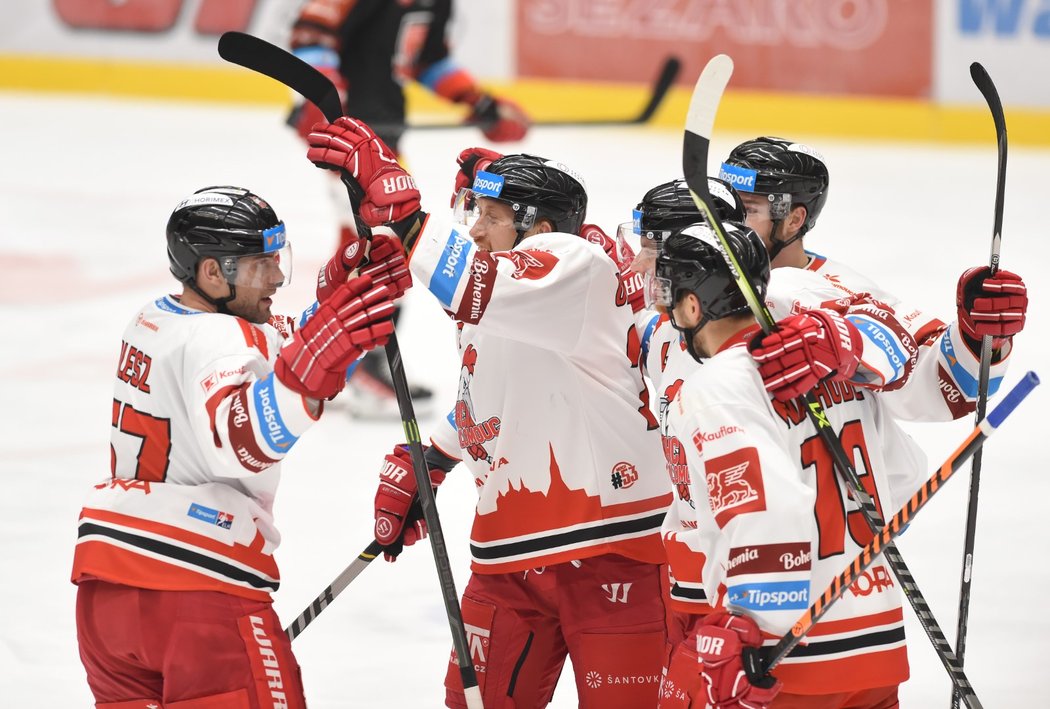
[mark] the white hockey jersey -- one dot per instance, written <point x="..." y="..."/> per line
<point x="667" y="364"/>
<point x="200" y="425"/>
<point x="944" y="363"/>
<point x="550" y="417"/>
<point x="778" y="525"/>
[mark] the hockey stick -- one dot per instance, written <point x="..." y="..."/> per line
<point x="699" y="127"/>
<point x="261" y="56"/>
<point x="991" y="96"/>
<point x="325" y="598"/>
<point x="668" y="73"/>
<point x="904" y="516"/>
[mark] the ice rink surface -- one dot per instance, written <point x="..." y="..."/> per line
<point x="86" y="186"/>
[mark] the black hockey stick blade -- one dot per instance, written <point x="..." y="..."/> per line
<point x="664" y="81"/>
<point x="995" y="105"/>
<point x="283" y="66"/>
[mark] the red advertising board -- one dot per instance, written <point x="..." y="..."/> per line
<point x="866" y="47"/>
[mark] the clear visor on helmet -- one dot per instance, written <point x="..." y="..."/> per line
<point x="659" y="292"/>
<point x="471" y="208"/>
<point x="270" y="268"/>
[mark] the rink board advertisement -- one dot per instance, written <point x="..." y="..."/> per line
<point x="857" y="67"/>
<point x="867" y="47"/>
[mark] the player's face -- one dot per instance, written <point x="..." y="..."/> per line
<point x="758" y="217"/>
<point x="494" y="228"/>
<point x="253" y="302"/>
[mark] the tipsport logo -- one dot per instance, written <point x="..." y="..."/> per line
<point x="778" y="596"/>
<point x="223" y="520"/>
<point x="274" y="238"/>
<point x="488" y="184"/>
<point x="739" y="177"/>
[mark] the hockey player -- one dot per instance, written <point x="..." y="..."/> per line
<point x="566" y="550"/>
<point x="668" y="361"/>
<point x="772" y="517"/>
<point x="174" y="558"/>
<point x="370" y="49"/>
<point x="784" y="186"/>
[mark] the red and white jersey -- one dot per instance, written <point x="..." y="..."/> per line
<point x="943" y="383"/>
<point x="667" y="364"/>
<point x="777" y="522"/>
<point x="200" y="425"/>
<point x="549" y="416"/>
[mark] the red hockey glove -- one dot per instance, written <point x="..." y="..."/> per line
<point x="338" y="269"/>
<point x="355" y="319"/>
<point x="471" y="161"/>
<point x="384" y="191"/>
<point x="991" y="305"/>
<point x="398" y="515"/>
<point x="622" y="255"/>
<point x="500" y="119"/>
<point x="805" y="349"/>
<point x="387" y="266"/>
<point x="305" y="115"/>
<point x="721" y="641"/>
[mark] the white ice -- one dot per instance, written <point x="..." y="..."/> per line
<point x="86" y="186"/>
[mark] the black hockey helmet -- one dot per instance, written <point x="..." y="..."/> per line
<point x="775" y="166"/>
<point x="692" y="261"/>
<point x="535" y="188"/>
<point x="223" y="223"/>
<point x="669" y="207"/>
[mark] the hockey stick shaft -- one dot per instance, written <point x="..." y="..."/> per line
<point x="699" y="127"/>
<point x="261" y="56"/>
<point x="991" y="96"/>
<point x="904" y="516"/>
<point x="657" y="92"/>
<point x="329" y="594"/>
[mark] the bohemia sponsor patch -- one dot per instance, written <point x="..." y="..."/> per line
<point x="734" y="484"/>
<point x="479" y="289"/>
<point x="769" y="558"/>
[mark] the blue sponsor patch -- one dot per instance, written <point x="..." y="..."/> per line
<point x="487" y="184"/>
<point x="885" y="340"/>
<point x="308" y="313"/>
<point x="273" y="238"/>
<point x="276" y="434"/>
<point x="636" y="221"/>
<point x="170" y="306"/>
<point x="452" y="420"/>
<point x="967" y="382"/>
<point x="451" y="267"/>
<point x="739" y="177"/>
<point x="207" y="514"/>
<point x="775" y="596"/>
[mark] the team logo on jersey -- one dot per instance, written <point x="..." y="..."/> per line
<point x="219" y="518"/>
<point x="734" y="485"/>
<point x="624" y="475"/>
<point x="530" y="265"/>
<point x="473" y="435"/>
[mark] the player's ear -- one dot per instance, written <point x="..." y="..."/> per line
<point x="210" y="277"/>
